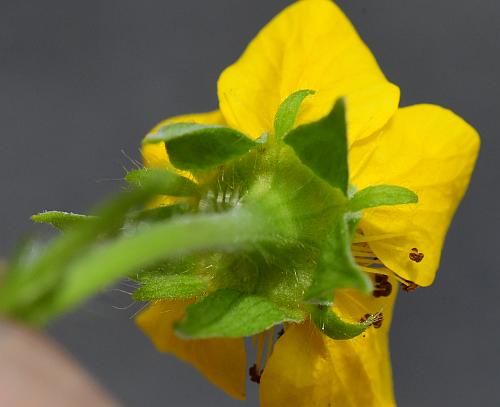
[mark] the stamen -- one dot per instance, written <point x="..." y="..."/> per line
<point x="378" y="323"/>
<point x="406" y="285"/>
<point x="255" y="371"/>
<point x="362" y="248"/>
<point x="374" y="266"/>
<point x="400" y="279"/>
<point x="409" y="287"/>
<point x="255" y="374"/>
<point x="383" y="288"/>
<point x="270" y="343"/>
<point x="378" y="319"/>
<point x="415" y="255"/>
<point x="381" y="270"/>
<point x="281" y="332"/>
<point x="370" y="263"/>
<point x="261" y="342"/>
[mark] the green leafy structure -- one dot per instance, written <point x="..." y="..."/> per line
<point x="230" y="313"/>
<point x="158" y="286"/>
<point x="61" y="220"/>
<point x="167" y="182"/>
<point x="336" y="267"/>
<point x="379" y="195"/>
<point x="287" y="112"/>
<point x="322" y="146"/>
<point x="198" y="147"/>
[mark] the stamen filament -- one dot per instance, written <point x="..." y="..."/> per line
<point x="377" y="270"/>
<point x="261" y="342"/>
<point x="368" y="261"/>
<point x="270" y="344"/>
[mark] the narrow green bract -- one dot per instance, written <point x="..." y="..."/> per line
<point x="287" y="112"/>
<point x="61" y="220"/>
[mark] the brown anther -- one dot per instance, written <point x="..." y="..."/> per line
<point x="382" y="290"/>
<point x="409" y="286"/>
<point x="415" y="255"/>
<point x="378" y="323"/>
<point x="281" y="332"/>
<point x="381" y="278"/>
<point x="254" y="374"/>
<point x="363" y="319"/>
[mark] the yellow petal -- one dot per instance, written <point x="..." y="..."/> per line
<point x="222" y="361"/>
<point x="310" y="45"/>
<point x="309" y="369"/>
<point x="431" y="151"/>
<point x="366" y="358"/>
<point x="154" y="155"/>
<point x="298" y="372"/>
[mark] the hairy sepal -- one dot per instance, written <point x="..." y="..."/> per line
<point x="230" y="313"/>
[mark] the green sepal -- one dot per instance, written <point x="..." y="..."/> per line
<point x="322" y="146"/>
<point x="287" y="112"/>
<point x="193" y="146"/>
<point x="330" y="324"/>
<point x="380" y="195"/>
<point x="158" y="286"/>
<point x="61" y="220"/>
<point x="336" y="267"/>
<point x="167" y="183"/>
<point x="230" y="313"/>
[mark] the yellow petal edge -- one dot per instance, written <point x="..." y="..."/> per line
<point x="431" y="151"/>
<point x="222" y="361"/>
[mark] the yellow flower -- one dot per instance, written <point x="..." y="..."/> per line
<point x="428" y="149"/>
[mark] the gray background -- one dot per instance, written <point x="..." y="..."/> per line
<point x="82" y="80"/>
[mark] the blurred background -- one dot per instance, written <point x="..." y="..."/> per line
<point x="82" y="81"/>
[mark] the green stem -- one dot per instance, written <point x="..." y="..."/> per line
<point x="114" y="260"/>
